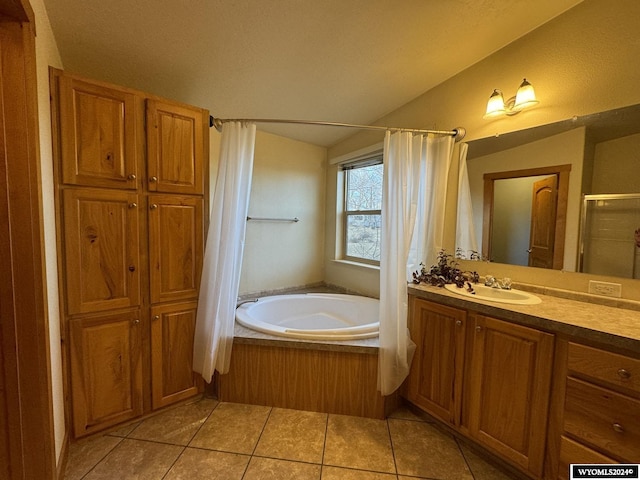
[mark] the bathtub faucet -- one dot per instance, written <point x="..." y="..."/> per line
<point x="248" y="300"/>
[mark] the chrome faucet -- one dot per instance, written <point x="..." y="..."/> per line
<point x="493" y="282"/>
<point x="247" y="300"/>
<point x="490" y="281"/>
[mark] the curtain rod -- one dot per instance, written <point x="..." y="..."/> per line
<point x="458" y="133"/>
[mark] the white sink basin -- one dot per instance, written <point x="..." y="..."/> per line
<point x="517" y="297"/>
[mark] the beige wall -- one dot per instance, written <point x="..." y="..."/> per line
<point x="615" y="166"/>
<point x="582" y="62"/>
<point x="47" y="54"/>
<point x="288" y="182"/>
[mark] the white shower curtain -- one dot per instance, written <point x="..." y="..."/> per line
<point x="223" y="252"/>
<point x="416" y="168"/>
<point x="465" y="229"/>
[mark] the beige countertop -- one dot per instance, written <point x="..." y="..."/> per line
<point x="618" y="328"/>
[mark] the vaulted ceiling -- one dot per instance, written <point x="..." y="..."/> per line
<point x="335" y="60"/>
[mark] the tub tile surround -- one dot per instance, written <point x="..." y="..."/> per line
<point x="248" y="442"/>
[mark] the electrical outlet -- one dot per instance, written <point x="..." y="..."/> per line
<point x="606" y="289"/>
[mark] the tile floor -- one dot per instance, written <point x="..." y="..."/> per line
<point x="206" y="439"/>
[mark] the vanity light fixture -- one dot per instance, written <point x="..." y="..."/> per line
<point x="525" y="97"/>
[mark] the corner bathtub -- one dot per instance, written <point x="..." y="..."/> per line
<point x="312" y="316"/>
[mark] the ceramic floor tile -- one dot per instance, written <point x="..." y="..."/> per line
<point x="422" y="450"/>
<point x="124" y="431"/>
<point x="196" y="464"/>
<point x="136" y="460"/>
<point x="337" y="473"/>
<point x="361" y="443"/>
<point x="272" y="469"/>
<point x="232" y="427"/>
<point x="482" y="470"/>
<point x="85" y="454"/>
<point x="404" y="413"/>
<point x="176" y="425"/>
<point x="293" y="435"/>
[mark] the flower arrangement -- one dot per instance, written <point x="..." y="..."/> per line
<point x="446" y="270"/>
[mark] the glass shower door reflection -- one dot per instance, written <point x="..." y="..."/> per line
<point x="608" y="240"/>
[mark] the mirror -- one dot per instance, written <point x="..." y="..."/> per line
<point x="581" y="175"/>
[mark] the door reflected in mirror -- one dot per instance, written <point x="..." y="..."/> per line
<point x="525" y="216"/>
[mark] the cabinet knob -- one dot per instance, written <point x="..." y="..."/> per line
<point x="133" y="205"/>
<point x="617" y="428"/>
<point x="132" y="268"/>
<point x="153" y="179"/>
<point x="153" y="206"/>
<point x="458" y="322"/>
<point x="624" y="374"/>
<point x="136" y="321"/>
<point x="131" y="177"/>
<point x="478" y="328"/>
<point x="156" y="317"/>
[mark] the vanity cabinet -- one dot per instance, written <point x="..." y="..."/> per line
<point x="487" y="378"/>
<point x="172" y="330"/>
<point x="596" y="409"/>
<point x="132" y="205"/>
<point x="100" y="134"/>
<point x="508" y="390"/>
<point x="175" y="246"/>
<point x="102" y="246"/>
<point x="106" y="370"/>
<point x="175" y="158"/>
<point x="435" y="380"/>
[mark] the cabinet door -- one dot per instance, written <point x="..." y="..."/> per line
<point x="510" y="386"/>
<point x="175" y="147"/>
<point x="106" y="370"/>
<point x="175" y="244"/>
<point x="172" y="330"/>
<point x="101" y="244"/>
<point x="98" y="135"/>
<point x="435" y="380"/>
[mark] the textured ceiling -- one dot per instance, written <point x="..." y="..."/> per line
<point x="335" y="60"/>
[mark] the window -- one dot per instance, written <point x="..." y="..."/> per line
<point x="362" y="210"/>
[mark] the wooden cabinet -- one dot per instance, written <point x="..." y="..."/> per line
<point x="102" y="249"/>
<point x="175" y="246"/>
<point x="106" y="370"/>
<point x="509" y="390"/>
<point x="175" y="147"/>
<point x="99" y="134"/>
<point x="487" y="378"/>
<point x="172" y="330"/>
<point x="128" y="244"/>
<point x="435" y="381"/>
<point x="596" y="409"/>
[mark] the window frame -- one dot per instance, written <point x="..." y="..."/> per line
<point x="375" y="159"/>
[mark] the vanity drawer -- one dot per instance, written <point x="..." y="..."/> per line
<point x="608" y="367"/>
<point x="574" y="452"/>
<point x="604" y="419"/>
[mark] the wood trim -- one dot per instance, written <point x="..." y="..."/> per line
<point x="24" y="327"/>
<point x="556" y="409"/>
<point x="562" y="171"/>
<point x="17" y="11"/>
